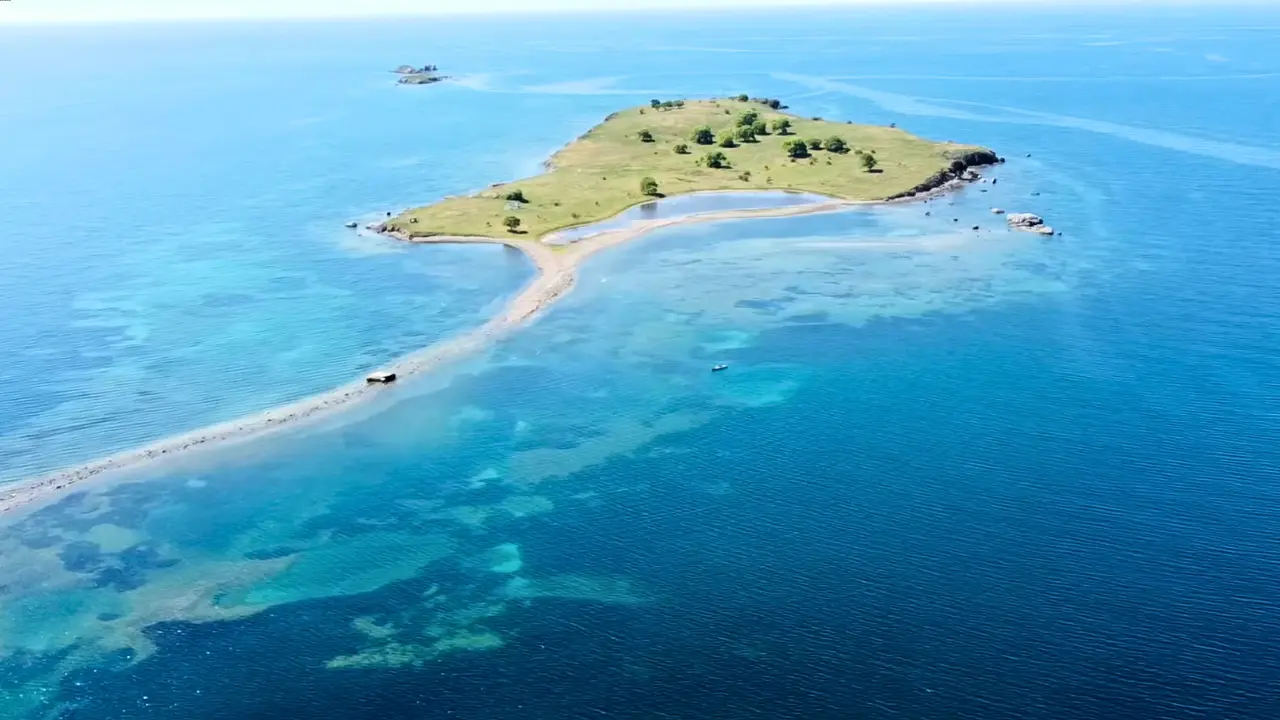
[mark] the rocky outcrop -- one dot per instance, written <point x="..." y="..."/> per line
<point x="957" y="170"/>
<point x="422" y="78"/>
<point x="1029" y="223"/>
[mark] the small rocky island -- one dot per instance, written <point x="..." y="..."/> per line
<point x="425" y="75"/>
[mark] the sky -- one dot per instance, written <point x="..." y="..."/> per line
<point x="131" y="10"/>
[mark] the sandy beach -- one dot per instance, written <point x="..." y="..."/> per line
<point x="557" y="271"/>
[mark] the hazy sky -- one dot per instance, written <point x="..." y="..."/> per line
<point x="96" y="10"/>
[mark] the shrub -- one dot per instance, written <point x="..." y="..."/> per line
<point x="814" y="143"/>
<point x="703" y="136"/>
<point x="742" y="98"/>
<point x="782" y="126"/>
<point x="646" y="136"/>
<point x="745" y="134"/>
<point x="796" y="148"/>
<point x="837" y="144"/>
<point x="869" y="162"/>
<point x="759" y="128"/>
<point x="515" y="196"/>
<point x="511" y="222"/>
<point x="681" y="149"/>
<point x="748" y="118"/>
<point x="727" y="141"/>
<point x="679" y="103"/>
<point x="648" y="186"/>
<point x="745" y="176"/>
<point x="655" y="104"/>
<point x="715" y="160"/>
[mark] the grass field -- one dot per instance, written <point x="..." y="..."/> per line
<point x="599" y="175"/>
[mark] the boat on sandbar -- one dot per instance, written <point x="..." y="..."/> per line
<point x="718" y="368"/>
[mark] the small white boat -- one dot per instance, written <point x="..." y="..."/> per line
<point x="718" y="368"/>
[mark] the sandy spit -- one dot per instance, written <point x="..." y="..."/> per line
<point x="557" y="272"/>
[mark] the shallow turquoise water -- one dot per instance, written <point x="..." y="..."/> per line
<point x="948" y="473"/>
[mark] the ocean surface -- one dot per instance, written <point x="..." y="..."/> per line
<point x="973" y="475"/>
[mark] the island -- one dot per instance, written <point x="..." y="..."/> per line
<point x="664" y="148"/>
<point x="675" y="147"/>
<point x="425" y="75"/>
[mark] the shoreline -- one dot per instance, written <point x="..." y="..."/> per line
<point x="556" y="268"/>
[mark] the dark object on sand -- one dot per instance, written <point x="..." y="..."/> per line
<point x="381" y="378"/>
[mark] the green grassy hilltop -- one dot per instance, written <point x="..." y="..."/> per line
<point x="605" y="171"/>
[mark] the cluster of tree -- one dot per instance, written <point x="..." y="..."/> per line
<point x="648" y="186"/>
<point x="715" y="160"/>
<point x="515" y="196"/>
<point x="645" y="136"/>
<point x="782" y="126"/>
<point x="429" y="68"/>
<point x="796" y="148"/>
<point x="665" y="104"/>
<point x="748" y="118"/>
<point x="703" y="136"/>
<point x="800" y="148"/>
<point x="772" y="103"/>
<point x="746" y="133"/>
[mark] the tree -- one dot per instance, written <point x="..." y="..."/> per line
<point x="782" y="126"/>
<point x="759" y="128"/>
<point x="512" y="222"/>
<point x="837" y="144"/>
<point x="655" y="104"/>
<point x="516" y="195"/>
<point x="646" y="136"/>
<point x="796" y="148"/>
<point x="748" y="118"/>
<point x="742" y="98"/>
<point x="703" y="136"/>
<point x="648" y="186"/>
<point x="679" y="103"/>
<point x="716" y="160"/>
<point x="745" y="134"/>
<point x="727" y="141"/>
<point x="814" y="144"/>
<point x="869" y="162"/>
<point x="680" y="149"/>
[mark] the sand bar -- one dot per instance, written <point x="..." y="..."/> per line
<point x="557" y="272"/>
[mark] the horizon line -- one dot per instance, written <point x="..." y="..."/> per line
<point x="695" y="7"/>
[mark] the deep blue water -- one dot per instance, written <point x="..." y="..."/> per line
<point x="948" y="474"/>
